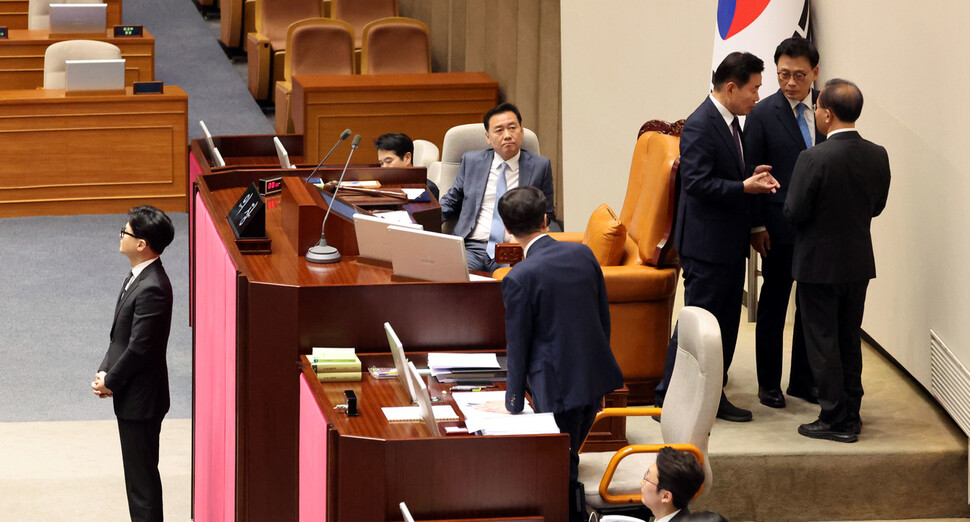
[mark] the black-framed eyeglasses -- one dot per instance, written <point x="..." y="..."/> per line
<point x="787" y="75"/>
<point x="645" y="479"/>
<point x="124" y="233"/>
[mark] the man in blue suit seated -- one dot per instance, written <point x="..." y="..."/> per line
<point x="557" y="328"/>
<point x="484" y="176"/>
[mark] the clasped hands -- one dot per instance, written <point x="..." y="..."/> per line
<point x="761" y="182"/>
<point x="98" y="386"/>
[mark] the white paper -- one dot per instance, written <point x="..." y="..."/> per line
<point x="476" y="277"/>
<point x="526" y="423"/>
<point x="444" y="361"/>
<point x="442" y="412"/>
<point x="414" y="193"/>
<point x="396" y="216"/>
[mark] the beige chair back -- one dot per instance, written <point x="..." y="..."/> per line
<point x="273" y="18"/>
<point x="39" y="11"/>
<point x="305" y="41"/>
<point x="395" y="46"/>
<point x="425" y="153"/>
<point x="464" y="138"/>
<point x="58" y="53"/>
<point x="359" y="13"/>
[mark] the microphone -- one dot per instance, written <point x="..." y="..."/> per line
<point x="322" y="252"/>
<point x="343" y="135"/>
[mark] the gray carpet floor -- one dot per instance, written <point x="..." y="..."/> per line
<point x="188" y="54"/>
<point x="60" y="279"/>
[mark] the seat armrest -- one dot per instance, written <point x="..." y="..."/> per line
<point x="571" y="237"/>
<point x="632" y="283"/>
<point x="257" y="49"/>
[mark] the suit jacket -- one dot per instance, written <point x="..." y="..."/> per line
<point x="837" y="188"/>
<point x="464" y="199"/>
<point x="714" y="214"/>
<point x="135" y="361"/>
<point x="557" y="326"/>
<point x="772" y="137"/>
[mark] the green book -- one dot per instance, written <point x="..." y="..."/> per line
<point x="334" y="354"/>
<point x="321" y="366"/>
<point x="339" y="376"/>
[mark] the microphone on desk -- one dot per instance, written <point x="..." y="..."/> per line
<point x="343" y="135"/>
<point x="322" y="252"/>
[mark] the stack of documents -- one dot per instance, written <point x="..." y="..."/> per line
<point x="442" y="412"/>
<point x="335" y="364"/>
<point x="453" y="367"/>
<point x="526" y="423"/>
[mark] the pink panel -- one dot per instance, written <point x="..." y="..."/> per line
<point x="313" y="456"/>
<point x="214" y="396"/>
<point x="195" y="169"/>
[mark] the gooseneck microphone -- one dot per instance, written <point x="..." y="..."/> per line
<point x="343" y="135"/>
<point x="322" y="252"/>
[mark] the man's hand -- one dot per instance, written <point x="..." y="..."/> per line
<point x="761" y="242"/>
<point x="492" y="407"/>
<point x="98" y="386"/>
<point x="761" y="182"/>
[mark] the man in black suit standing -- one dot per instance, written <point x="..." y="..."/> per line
<point x="837" y="188"/>
<point x="557" y="328"/>
<point x="777" y="130"/>
<point x="134" y="370"/>
<point x="714" y="213"/>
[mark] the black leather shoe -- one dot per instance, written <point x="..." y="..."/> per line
<point x="771" y="398"/>
<point x="823" y="430"/>
<point x="730" y="412"/>
<point x="810" y="396"/>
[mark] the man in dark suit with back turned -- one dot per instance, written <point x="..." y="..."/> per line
<point x="714" y="215"/>
<point x="134" y="370"/>
<point x="837" y="188"/>
<point x="775" y="132"/>
<point x="557" y="328"/>
<point x="484" y="176"/>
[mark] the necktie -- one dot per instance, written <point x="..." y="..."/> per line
<point x="736" y="130"/>
<point x="497" y="232"/>
<point x="124" y="286"/>
<point x="803" y="124"/>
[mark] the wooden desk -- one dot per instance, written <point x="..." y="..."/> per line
<point x="13" y="13"/>
<point x="372" y="465"/>
<point x="423" y="106"/>
<point x="22" y="56"/>
<point x="91" y="154"/>
<point x="254" y="315"/>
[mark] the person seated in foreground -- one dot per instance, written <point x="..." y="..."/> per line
<point x="396" y="150"/>
<point x="484" y="176"/>
<point x="670" y="483"/>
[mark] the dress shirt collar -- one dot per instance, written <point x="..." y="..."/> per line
<point x="726" y="114"/>
<point x="513" y="161"/>
<point x="807" y="101"/>
<point x="836" y="131"/>
<point x="525" y="251"/>
<point x="668" y="517"/>
<point x="137" y="269"/>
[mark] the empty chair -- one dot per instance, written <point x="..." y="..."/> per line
<point x="39" y="11"/>
<point x="313" y="46"/>
<point x="359" y="13"/>
<point x="58" y="53"/>
<point x="425" y="153"/>
<point x="266" y="47"/>
<point x="395" y="45"/>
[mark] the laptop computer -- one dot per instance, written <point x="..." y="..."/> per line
<point x="94" y="75"/>
<point x="281" y="154"/>
<point x="400" y="360"/>
<point x="372" y="237"/>
<point x="430" y="256"/>
<point x="78" y="18"/>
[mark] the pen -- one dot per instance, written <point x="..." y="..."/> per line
<point x="468" y="388"/>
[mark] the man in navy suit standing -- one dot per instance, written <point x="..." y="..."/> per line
<point x="134" y="371"/>
<point x="557" y="328"/>
<point x="484" y="176"/>
<point x="779" y="128"/>
<point x="713" y="225"/>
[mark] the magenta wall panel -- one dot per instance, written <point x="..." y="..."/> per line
<point x="313" y="456"/>
<point x="215" y="373"/>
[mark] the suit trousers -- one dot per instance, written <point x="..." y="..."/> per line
<point x="718" y="289"/>
<point x="139" y="453"/>
<point x="770" y="329"/>
<point x="577" y="423"/>
<point x="477" y="258"/>
<point x="832" y="317"/>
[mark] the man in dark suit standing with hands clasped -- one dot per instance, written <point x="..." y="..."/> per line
<point x="714" y="213"/>
<point x="134" y="370"/>
<point x="557" y="326"/>
<point x="775" y="132"/>
<point x="837" y="188"/>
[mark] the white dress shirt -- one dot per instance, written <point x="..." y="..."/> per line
<point x="483" y="226"/>
<point x="729" y="120"/>
<point x="809" y="113"/>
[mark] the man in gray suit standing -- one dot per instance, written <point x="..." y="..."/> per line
<point x="484" y="176"/>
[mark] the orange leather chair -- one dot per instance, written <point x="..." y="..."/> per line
<point x="313" y="46"/>
<point x="359" y="13"/>
<point x="266" y="46"/>
<point x="639" y="265"/>
<point x="395" y="45"/>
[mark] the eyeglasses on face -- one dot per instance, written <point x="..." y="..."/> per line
<point x="124" y="233"/>
<point x="648" y="481"/>
<point x="787" y="75"/>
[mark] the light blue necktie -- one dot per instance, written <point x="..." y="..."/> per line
<point x="497" y="233"/>
<point x="803" y="125"/>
